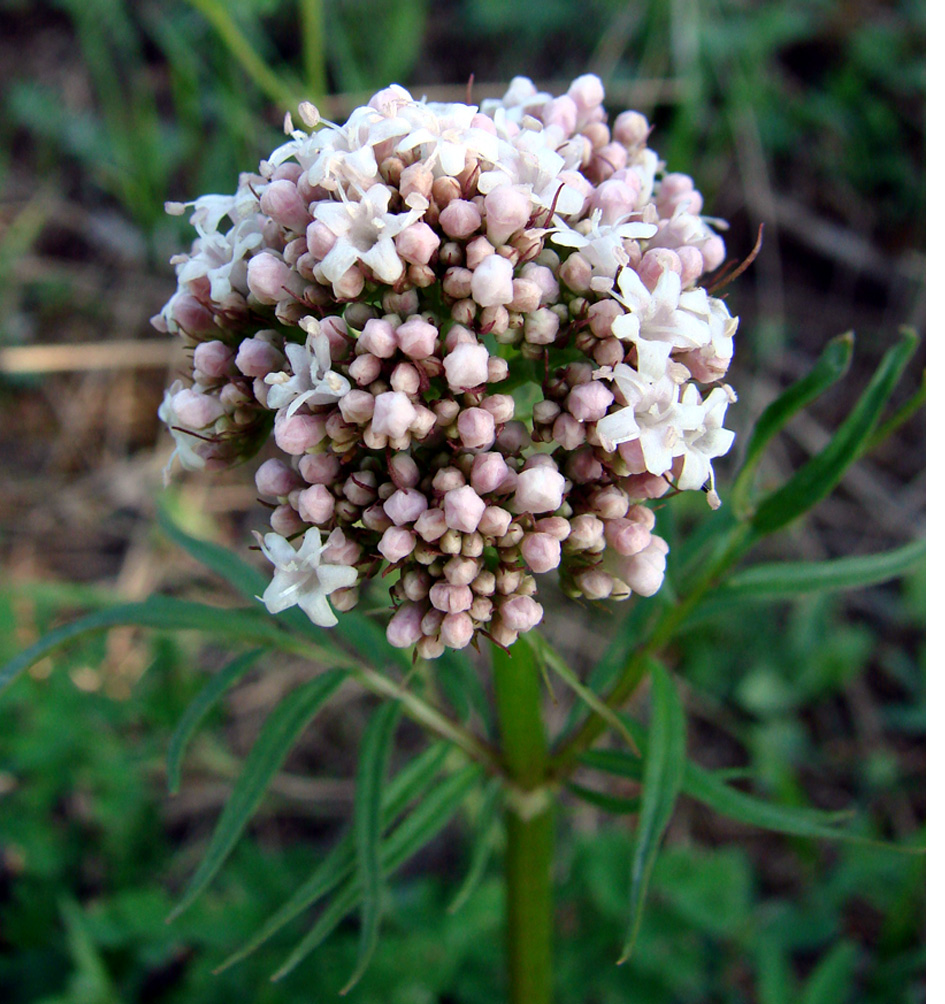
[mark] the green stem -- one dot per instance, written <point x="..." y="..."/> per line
<point x="529" y="826"/>
<point x="313" y="48"/>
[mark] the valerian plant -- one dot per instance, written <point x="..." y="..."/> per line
<point x="483" y="341"/>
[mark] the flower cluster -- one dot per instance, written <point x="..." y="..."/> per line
<point x="478" y="339"/>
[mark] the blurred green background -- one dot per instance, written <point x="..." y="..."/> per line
<point x="807" y="117"/>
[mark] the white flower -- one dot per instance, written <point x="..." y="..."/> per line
<point x="301" y="578"/>
<point x="187" y="442"/>
<point x="312" y="380"/>
<point x="707" y="440"/>
<point x="602" y="246"/>
<point x="220" y="259"/>
<point x="665" y="315"/>
<point x="366" y="232"/>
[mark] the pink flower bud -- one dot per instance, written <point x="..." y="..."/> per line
<point x="489" y="470"/>
<point x="417" y="243"/>
<point x="541" y="326"/>
<point x="467" y="366"/>
<point x="498" y="370"/>
<point x="417" y="338"/>
<point x="594" y="583"/>
<point x="357" y="407"/>
<point x="319" y="239"/>
<point x="320" y="468"/>
<point x="285" y="520"/>
<point x="631" y="129"/>
<point x="616" y="199"/>
<point x="644" y="572"/>
<point x="196" y="410"/>
<point x="561" y="112"/>
<point x="451" y="599"/>
<point x="273" y="478"/>
<point x="557" y="526"/>
<point x="587" y="91"/>
<point x="405" y="378"/>
<point x="640" y="514"/>
<point x="495" y="521"/>
<point x="448" y="478"/>
<point x="457" y="630"/>
<point x="492" y="281"/>
<point x="364" y="370"/>
<point x="258" y="358"/>
<point x="526" y="296"/>
<point x="477" y="251"/>
<point x="568" y="431"/>
<point x="431" y="524"/>
<point x="587" y="532"/>
<point x="396" y="543"/>
<point x="374" y="518"/>
<point x="507" y="210"/>
<point x="378" y="338"/>
<point x="692" y="264"/>
<point x="417" y="179"/>
<point x="403" y="629"/>
<point x="626" y="537"/>
<point x="576" y="273"/>
<point x="610" y="503"/>
<point x="404" y="470"/>
<point x="476" y="428"/>
<point x="316" y="504"/>
<point x="349" y="285"/>
<point x="655" y="262"/>
<point x="521" y="613"/>
<point x="513" y="438"/>
<point x="589" y="402"/>
<point x="713" y="251"/>
<point x="461" y="571"/>
<point x="213" y="359"/>
<point x="460" y="219"/>
<point x="541" y="552"/>
<point x="500" y="406"/>
<point x="463" y="508"/>
<point x="299" y="433"/>
<point x="339" y="550"/>
<point x="281" y="200"/>
<point x="393" y="414"/>
<point x="361" y="488"/>
<point x="266" y="276"/>
<point x="405" y="505"/>
<point x="539" y="489"/>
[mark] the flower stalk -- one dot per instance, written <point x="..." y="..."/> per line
<point x="529" y="822"/>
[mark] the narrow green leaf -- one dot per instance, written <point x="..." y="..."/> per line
<point x="551" y="658"/>
<point x="709" y="788"/>
<point x="663" y="769"/>
<point x="404" y="788"/>
<point x="482" y="843"/>
<point x="609" y="803"/>
<point x="833" y="364"/>
<point x="832" y="981"/>
<point x="418" y="829"/>
<point x="462" y="686"/>
<point x="819" y="476"/>
<point x="897" y="419"/>
<point x="373" y="764"/>
<point x="277" y="737"/>
<point x="165" y="613"/>
<point x="779" y="581"/>
<point x="215" y="688"/>
<point x="248" y="581"/>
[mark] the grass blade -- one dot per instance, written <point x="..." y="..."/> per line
<point x="277" y="737"/>
<point x="215" y="688"/>
<point x="372" y="774"/>
<point x="418" y="829"/>
<point x="663" y="769"/>
<point x="609" y="803"/>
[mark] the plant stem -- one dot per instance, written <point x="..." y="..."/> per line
<point x="529" y="826"/>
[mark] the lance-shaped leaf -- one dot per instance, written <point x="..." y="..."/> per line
<point x="486" y="820"/>
<point x="833" y="364"/>
<point x="609" y="803"/>
<point x="407" y="786"/>
<point x="418" y="829"/>
<point x="709" y="788"/>
<point x="368" y="822"/>
<point x="663" y="768"/>
<point x="215" y="688"/>
<point x="820" y="475"/>
<point x="277" y="737"/>
<point x="782" y="581"/>
<point x="165" y="613"/>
